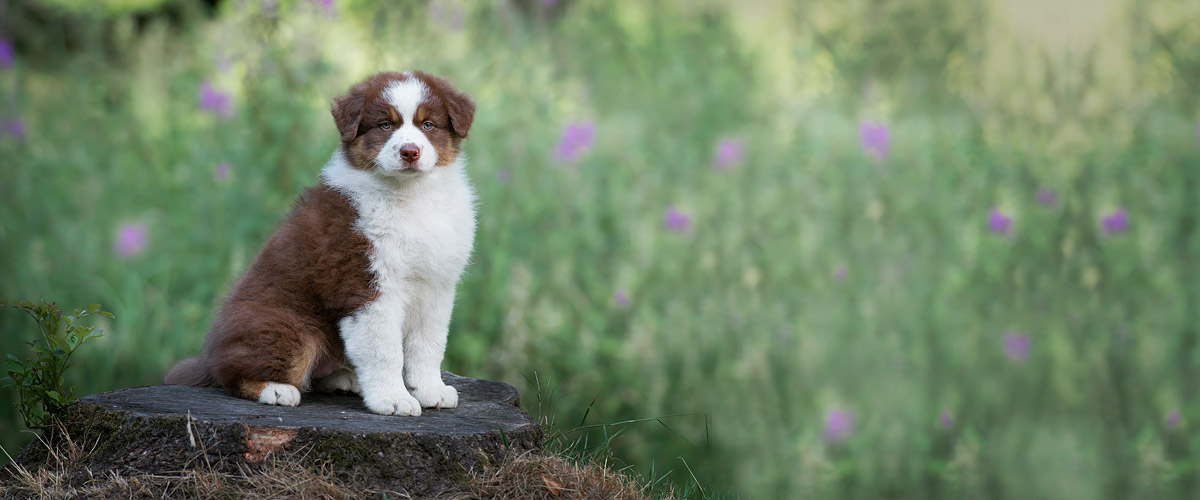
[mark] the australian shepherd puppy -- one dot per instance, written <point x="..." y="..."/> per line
<point x="354" y="291"/>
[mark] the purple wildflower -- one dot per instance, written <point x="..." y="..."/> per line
<point x="1047" y="197"/>
<point x="874" y="139"/>
<point x="947" y="421"/>
<point x="1118" y="222"/>
<point x="6" y="54"/>
<point x="222" y="172"/>
<point x="131" y="240"/>
<point x="621" y="300"/>
<point x="840" y="274"/>
<point x="729" y="153"/>
<point x="1173" y="419"/>
<point x="576" y="140"/>
<point x="325" y="4"/>
<point x="14" y="128"/>
<point x="999" y="223"/>
<point x="676" y="221"/>
<point x="503" y="177"/>
<point x="1016" y="346"/>
<point x="838" y="425"/>
<point x="214" y="101"/>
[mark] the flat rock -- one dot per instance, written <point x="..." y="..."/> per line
<point x="164" y="429"/>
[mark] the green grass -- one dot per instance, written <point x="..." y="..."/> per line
<point x="743" y="318"/>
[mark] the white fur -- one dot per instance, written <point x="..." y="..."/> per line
<point x="406" y="97"/>
<point x="279" y="394"/>
<point x="421" y="228"/>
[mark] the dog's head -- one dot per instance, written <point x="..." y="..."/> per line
<point x="399" y="124"/>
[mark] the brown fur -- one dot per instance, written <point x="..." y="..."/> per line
<point x="451" y="112"/>
<point x="190" y="371"/>
<point x="359" y="113"/>
<point x="280" y="323"/>
<point x="281" y="319"/>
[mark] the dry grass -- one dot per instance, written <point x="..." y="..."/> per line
<point x="526" y="476"/>
<point x="61" y="477"/>
<point x="539" y="476"/>
<point x="287" y="480"/>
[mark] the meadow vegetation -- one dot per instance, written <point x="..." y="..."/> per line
<point x="844" y="249"/>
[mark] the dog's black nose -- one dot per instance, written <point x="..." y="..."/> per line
<point x="410" y="152"/>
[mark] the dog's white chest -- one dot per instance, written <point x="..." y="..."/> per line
<point x="422" y="238"/>
<point x="422" y="230"/>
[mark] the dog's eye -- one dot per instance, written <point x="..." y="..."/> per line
<point x="386" y="125"/>
<point x="428" y="125"/>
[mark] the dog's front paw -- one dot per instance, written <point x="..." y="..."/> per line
<point x="437" y="396"/>
<point x="401" y="404"/>
<point x="343" y="380"/>
<point x="279" y="394"/>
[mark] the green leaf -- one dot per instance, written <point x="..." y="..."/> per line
<point x="39" y="379"/>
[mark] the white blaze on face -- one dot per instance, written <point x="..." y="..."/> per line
<point x="406" y="96"/>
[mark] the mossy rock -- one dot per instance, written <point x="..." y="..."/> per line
<point x="167" y="429"/>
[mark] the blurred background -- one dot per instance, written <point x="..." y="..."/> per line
<point x="844" y="249"/>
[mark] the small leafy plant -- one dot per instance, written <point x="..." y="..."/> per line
<point x="39" y="379"/>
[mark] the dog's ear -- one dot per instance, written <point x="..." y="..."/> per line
<point x="348" y="111"/>
<point x="459" y="106"/>
<point x="461" y="110"/>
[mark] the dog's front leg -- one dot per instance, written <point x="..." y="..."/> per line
<point x="374" y="345"/>
<point x="425" y="331"/>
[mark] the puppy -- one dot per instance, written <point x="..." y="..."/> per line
<point x="354" y="291"/>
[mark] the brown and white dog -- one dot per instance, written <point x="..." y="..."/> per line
<point x="355" y="289"/>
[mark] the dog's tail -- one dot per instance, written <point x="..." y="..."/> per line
<point x="190" y="371"/>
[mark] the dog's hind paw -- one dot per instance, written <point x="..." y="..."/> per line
<point x="343" y="380"/>
<point x="280" y="394"/>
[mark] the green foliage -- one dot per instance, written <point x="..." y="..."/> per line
<point x="43" y="396"/>
<point x="815" y="278"/>
<point x="592" y="444"/>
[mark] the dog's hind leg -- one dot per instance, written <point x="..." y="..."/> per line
<point x="264" y="356"/>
